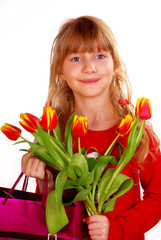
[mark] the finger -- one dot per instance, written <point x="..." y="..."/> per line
<point x="35" y="168"/>
<point x="93" y="218"/>
<point x="29" y="167"/>
<point x="24" y="161"/>
<point x="32" y="167"/>
<point x="92" y="226"/>
<point x="95" y="235"/>
<point x="39" y="169"/>
<point x="100" y="233"/>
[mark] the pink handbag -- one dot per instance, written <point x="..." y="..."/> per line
<point x="22" y="215"/>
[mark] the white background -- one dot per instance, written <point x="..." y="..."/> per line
<point x="27" y="30"/>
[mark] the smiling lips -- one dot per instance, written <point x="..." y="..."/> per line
<point x="90" y="81"/>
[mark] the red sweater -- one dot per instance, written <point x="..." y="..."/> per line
<point x="131" y="216"/>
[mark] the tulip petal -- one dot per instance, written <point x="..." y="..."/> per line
<point x="27" y="127"/>
<point x="125" y="125"/>
<point x="49" y="119"/>
<point x="145" y="111"/>
<point x="79" y="126"/>
<point x="29" y="122"/>
<point x="143" y="108"/>
<point x="11" y="132"/>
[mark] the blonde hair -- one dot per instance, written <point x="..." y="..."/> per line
<point x="81" y="34"/>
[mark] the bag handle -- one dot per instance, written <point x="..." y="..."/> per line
<point x="44" y="193"/>
<point x="25" y="184"/>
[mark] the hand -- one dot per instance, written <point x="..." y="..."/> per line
<point x="98" y="226"/>
<point x="36" y="168"/>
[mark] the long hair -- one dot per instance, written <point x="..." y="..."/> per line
<point x="81" y="34"/>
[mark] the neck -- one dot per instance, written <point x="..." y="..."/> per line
<point x="100" y="113"/>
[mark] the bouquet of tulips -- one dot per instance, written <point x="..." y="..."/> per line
<point x="87" y="176"/>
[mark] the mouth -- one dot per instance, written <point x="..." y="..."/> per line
<point x="90" y="81"/>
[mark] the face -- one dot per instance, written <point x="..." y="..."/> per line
<point x="88" y="74"/>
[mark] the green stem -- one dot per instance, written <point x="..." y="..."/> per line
<point x="111" y="146"/>
<point x="140" y="132"/>
<point x="55" y="134"/>
<point x="24" y="139"/>
<point x="93" y="192"/>
<point x="88" y="209"/>
<point x="91" y="206"/>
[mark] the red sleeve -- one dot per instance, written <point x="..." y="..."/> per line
<point x="133" y="223"/>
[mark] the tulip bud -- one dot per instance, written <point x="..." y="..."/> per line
<point x="123" y="102"/>
<point x="124" y="127"/>
<point x="143" y="108"/>
<point x="29" y="122"/>
<point x="49" y="119"/>
<point x="79" y="126"/>
<point x="12" y="132"/>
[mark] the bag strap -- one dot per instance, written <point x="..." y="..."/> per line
<point x="25" y="184"/>
<point x="45" y="190"/>
<point x="13" y="187"/>
<point x="44" y="193"/>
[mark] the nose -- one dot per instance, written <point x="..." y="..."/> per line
<point x="89" y="66"/>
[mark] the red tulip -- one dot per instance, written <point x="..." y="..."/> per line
<point x="29" y="122"/>
<point x="12" y="132"/>
<point x="143" y="108"/>
<point x="79" y="126"/>
<point x="124" y="127"/>
<point x="49" y="119"/>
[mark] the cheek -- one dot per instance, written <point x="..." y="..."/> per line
<point x="109" y="72"/>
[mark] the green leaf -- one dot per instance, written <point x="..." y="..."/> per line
<point x="140" y="132"/>
<point x="100" y="166"/>
<point x="56" y="142"/>
<point x="72" y="174"/>
<point x="56" y="217"/>
<point x="79" y="161"/>
<point x="120" y="150"/>
<point x="38" y="137"/>
<point x="60" y="150"/>
<point x="20" y="142"/>
<point x="59" y="186"/>
<point x="70" y="183"/>
<point x="104" y="182"/>
<point x="58" y="133"/>
<point x="91" y="163"/>
<point x="83" y="151"/>
<point x="41" y="153"/>
<point x="123" y="186"/>
<point x="77" y="171"/>
<point x="133" y="131"/>
<point x="81" y="196"/>
<point x="90" y="178"/>
<point x="47" y="142"/>
<point x="120" y="183"/>
<point x="109" y="206"/>
<point x="24" y="150"/>
<point x="69" y="136"/>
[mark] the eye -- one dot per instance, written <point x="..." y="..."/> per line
<point x="76" y="59"/>
<point x="100" y="56"/>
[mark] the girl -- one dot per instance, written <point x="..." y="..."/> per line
<point x="88" y="76"/>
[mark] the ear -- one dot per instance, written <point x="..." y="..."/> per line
<point x="61" y="75"/>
